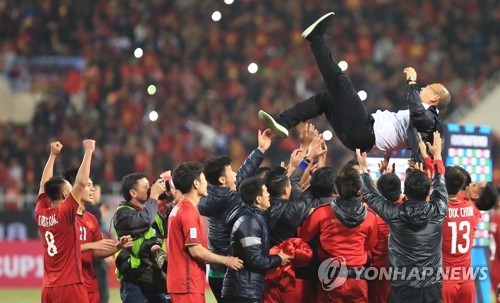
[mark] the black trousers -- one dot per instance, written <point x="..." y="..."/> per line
<point x="216" y="286"/>
<point x="416" y="295"/>
<point x="341" y="104"/>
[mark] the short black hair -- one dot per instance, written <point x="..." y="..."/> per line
<point x="130" y="182"/>
<point x="417" y="185"/>
<point x="347" y="183"/>
<point x="389" y="186"/>
<point x="185" y="174"/>
<point x="250" y="189"/>
<point x="488" y="197"/>
<point x="323" y="182"/>
<point x="353" y="162"/>
<point x="455" y="179"/>
<point x="467" y="177"/>
<point x="54" y="187"/>
<point x="213" y="169"/>
<point x="261" y="171"/>
<point x="276" y="181"/>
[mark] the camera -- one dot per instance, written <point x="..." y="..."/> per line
<point x="151" y="252"/>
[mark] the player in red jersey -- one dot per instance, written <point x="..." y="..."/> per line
<point x="186" y="243"/>
<point x="90" y="239"/>
<point x="459" y="229"/>
<point x="495" y="248"/>
<point x="55" y="214"/>
<point x="347" y="232"/>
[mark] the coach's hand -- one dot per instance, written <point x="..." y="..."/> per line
<point x="411" y="74"/>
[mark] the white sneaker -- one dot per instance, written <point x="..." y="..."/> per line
<point x="278" y="129"/>
<point x="322" y="29"/>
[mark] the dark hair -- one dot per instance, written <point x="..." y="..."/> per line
<point x="54" y="187"/>
<point x="322" y="182"/>
<point x="455" y="179"/>
<point x="185" y="174"/>
<point x="276" y="181"/>
<point x="261" y="171"/>
<point x="417" y="185"/>
<point x="130" y="182"/>
<point x="214" y="169"/>
<point x="467" y="178"/>
<point x="488" y="197"/>
<point x="389" y="186"/>
<point x="347" y="182"/>
<point x="353" y="162"/>
<point x="250" y="188"/>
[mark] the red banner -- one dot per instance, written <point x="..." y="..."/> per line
<point x="21" y="264"/>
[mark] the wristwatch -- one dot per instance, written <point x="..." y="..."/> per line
<point x="409" y="80"/>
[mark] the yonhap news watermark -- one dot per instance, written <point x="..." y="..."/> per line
<point x="333" y="273"/>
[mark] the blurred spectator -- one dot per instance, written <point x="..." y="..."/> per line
<point x="199" y="70"/>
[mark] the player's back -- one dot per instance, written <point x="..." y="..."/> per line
<point x="62" y="256"/>
<point x="459" y="230"/>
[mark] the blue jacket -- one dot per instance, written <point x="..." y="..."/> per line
<point x="250" y="242"/>
<point x="219" y="202"/>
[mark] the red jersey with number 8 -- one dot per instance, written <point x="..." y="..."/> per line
<point x="62" y="257"/>
<point x="459" y="229"/>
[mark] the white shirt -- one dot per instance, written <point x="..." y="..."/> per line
<point x="390" y="129"/>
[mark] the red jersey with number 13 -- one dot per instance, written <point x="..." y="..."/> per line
<point x="62" y="257"/>
<point x="459" y="229"/>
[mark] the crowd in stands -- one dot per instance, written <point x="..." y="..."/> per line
<point x="206" y="99"/>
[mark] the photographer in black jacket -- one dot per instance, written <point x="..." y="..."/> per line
<point x="416" y="228"/>
<point x="222" y="198"/>
<point x="141" y="269"/>
<point x="250" y="242"/>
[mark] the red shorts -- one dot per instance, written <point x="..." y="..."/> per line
<point x="464" y="292"/>
<point x="74" y="293"/>
<point x="187" y="298"/>
<point x="94" y="297"/>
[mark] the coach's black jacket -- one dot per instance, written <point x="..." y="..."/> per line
<point x="250" y="243"/>
<point x="423" y="121"/>
<point x="222" y="200"/>
<point x="415" y="232"/>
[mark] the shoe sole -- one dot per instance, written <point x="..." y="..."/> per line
<point x="269" y="121"/>
<point x="312" y="26"/>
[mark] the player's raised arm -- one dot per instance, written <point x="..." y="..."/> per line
<point x="83" y="175"/>
<point x="48" y="170"/>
